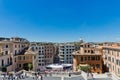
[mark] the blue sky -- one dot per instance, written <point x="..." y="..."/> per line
<point x="61" y="20"/>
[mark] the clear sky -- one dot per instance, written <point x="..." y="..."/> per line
<point x="61" y="20"/>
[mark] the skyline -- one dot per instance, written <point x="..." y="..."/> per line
<point x="60" y="21"/>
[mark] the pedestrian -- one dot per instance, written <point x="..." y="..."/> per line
<point x="69" y="75"/>
<point x="2" y="78"/>
<point x="41" y="77"/>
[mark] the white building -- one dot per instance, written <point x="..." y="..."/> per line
<point x="39" y="49"/>
<point x="65" y="52"/>
<point x="41" y="63"/>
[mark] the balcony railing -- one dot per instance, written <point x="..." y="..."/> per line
<point x="22" y="52"/>
<point x="8" y="64"/>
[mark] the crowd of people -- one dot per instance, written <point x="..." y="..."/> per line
<point x="13" y="76"/>
<point x="38" y="77"/>
<point x="35" y="75"/>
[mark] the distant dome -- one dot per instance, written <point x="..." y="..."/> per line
<point x="81" y="40"/>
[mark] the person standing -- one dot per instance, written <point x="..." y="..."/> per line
<point x="41" y="77"/>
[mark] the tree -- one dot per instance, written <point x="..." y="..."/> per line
<point x="4" y="69"/>
<point x="28" y="66"/>
<point x="84" y="68"/>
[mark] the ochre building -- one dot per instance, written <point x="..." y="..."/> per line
<point x="111" y="57"/>
<point x="88" y="54"/>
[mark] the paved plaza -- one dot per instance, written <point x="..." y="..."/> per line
<point x="60" y="78"/>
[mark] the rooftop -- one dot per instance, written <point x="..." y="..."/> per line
<point x="111" y="47"/>
<point x="79" y="53"/>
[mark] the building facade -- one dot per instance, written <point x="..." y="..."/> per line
<point x="10" y="48"/>
<point x="19" y="46"/>
<point x="111" y="54"/>
<point x="90" y="55"/>
<point x="29" y="57"/>
<point x="65" y="52"/>
<point x="45" y="54"/>
<point x="5" y="55"/>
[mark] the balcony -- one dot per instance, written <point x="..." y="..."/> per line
<point x="8" y="64"/>
<point x="61" y="57"/>
<point x="22" y="52"/>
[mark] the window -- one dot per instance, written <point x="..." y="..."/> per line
<point x="8" y="61"/>
<point x="39" y="64"/>
<point x="19" y="51"/>
<point x="2" y="62"/>
<point x="81" y="58"/>
<point x="2" y="53"/>
<point x="19" y="65"/>
<point x="19" y="57"/>
<point x="88" y="57"/>
<point x="88" y="51"/>
<point x="117" y="62"/>
<point x="15" y="52"/>
<point x="19" y="46"/>
<point x="39" y="60"/>
<point x="36" y="48"/>
<point x="85" y="51"/>
<point x="92" y="51"/>
<point x="66" y="49"/>
<point x="66" y="58"/>
<point x="113" y="67"/>
<point x="6" y="46"/>
<point x="93" y="58"/>
<point x="109" y="58"/>
<point x="15" y="59"/>
<point x="109" y="65"/>
<point x="98" y="58"/>
<point x="117" y="53"/>
<point x="85" y="58"/>
<point x="23" y="57"/>
<point x="15" y="46"/>
<point x="108" y="52"/>
<point x="113" y="60"/>
<point x="118" y="70"/>
<point x="23" y="46"/>
<point x="88" y="46"/>
<point x="6" y="52"/>
<point x="112" y="52"/>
